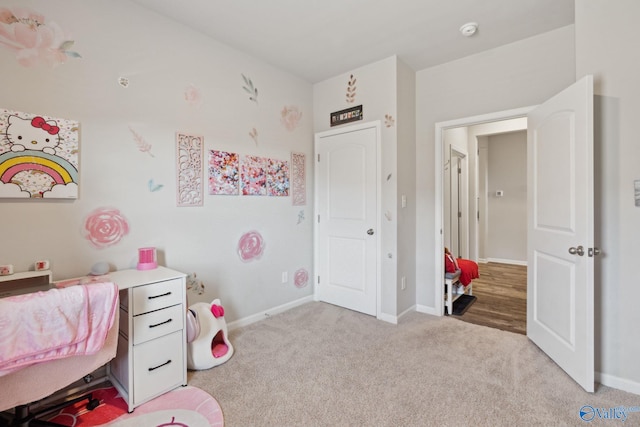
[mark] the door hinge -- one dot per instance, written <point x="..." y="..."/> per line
<point x="318" y="218"/>
<point x="459" y="214"/>
<point x="318" y="280"/>
<point x="318" y="157"/>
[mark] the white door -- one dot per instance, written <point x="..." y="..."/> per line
<point x="454" y="230"/>
<point x="560" y="226"/>
<point x="459" y="205"/>
<point x="347" y="223"/>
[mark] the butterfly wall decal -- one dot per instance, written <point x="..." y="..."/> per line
<point x="153" y="187"/>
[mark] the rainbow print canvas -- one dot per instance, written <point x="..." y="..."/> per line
<point x="38" y="156"/>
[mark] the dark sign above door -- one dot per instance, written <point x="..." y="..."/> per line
<point x="346" y="116"/>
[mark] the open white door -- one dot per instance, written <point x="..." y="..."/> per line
<point x="347" y="221"/>
<point x="560" y="241"/>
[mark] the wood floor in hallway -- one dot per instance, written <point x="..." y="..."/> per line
<point x="502" y="298"/>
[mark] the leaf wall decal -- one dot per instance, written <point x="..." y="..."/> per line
<point x="250" y="89"/>
<point x="351" y="89"/>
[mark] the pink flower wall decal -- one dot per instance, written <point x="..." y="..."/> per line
<point x="250" y="246"/>
<point x="33" y="40"/>
<point x="192" y="96"/>
<point x="301" y="278"/>
<point x="290" y="117"/>
<point x="105" y="227"/>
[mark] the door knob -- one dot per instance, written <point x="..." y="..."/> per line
<point x="579" y="250"/>
<point x="370" y="232"/>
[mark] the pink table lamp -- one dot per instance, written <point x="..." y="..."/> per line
<point x="147" y="259"/>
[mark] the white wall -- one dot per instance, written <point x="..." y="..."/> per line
<point x="478" y="196"/>
<point x="161" y="59"/>
<point x="406" y="89"/>
<point x="607" y="48"/>
<point x="386" y="90"/>
<point x="508" y="77"/>
<point x="507" y="215"/>
<point x="375" y="90"/>
<point x="466" y="139"/>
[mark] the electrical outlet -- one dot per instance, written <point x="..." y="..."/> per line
<point x="285" y="277"/>
<point x="403" y="283"/>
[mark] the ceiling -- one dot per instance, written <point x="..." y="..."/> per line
<point x="320" y="39"/>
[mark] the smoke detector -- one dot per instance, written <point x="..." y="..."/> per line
<point x="469" y="29"/>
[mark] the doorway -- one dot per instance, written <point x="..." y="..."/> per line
<point x="497" y="229"/>
<point x="560" y="236"/>
<point x="500" y="122"/>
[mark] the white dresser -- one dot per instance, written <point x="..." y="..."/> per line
<point x="152" y="346"/>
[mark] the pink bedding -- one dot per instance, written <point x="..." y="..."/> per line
<point x="55" y="324"/>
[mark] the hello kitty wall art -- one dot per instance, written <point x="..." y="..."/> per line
<point x="38" y="156"/>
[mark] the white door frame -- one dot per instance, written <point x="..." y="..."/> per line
<point x="439" y="190"/>
<point x="344" y="129"/>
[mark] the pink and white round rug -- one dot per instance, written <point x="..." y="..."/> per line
<point x="183" y="407"/>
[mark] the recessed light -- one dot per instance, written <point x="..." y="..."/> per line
<point x="469" y="29"/>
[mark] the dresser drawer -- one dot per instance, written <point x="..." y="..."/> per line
<point x="157" y="323"/>
<point x="157" y="295"/>
<point x="158" y="366"/>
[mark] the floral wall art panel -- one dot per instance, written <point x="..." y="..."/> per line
<point x="277" y="177"/>
<point x="190" y="186"/>
<point x="298" y="179"/>
<point x="38" y="156"/>
<point x="224" y="173"/>
<point x="253" y="176"/>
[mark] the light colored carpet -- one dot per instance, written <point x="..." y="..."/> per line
<point x="320" y="365"/>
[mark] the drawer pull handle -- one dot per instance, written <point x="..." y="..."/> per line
<point x="158" y="296"/>
<point x="160" y="366"/>
<point x="161" y="323"/>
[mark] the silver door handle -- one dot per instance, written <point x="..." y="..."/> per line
<point x="579" y="250"/>
<point x="593" y="252"/>
<point x="370" y="232"/>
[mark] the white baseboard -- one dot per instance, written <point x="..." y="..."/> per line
<point x="388" y="318"/>
<point x="394" y="319"/>
<point x="407" y="311"/>
<point x="265" y="314"/>
<point x="618" y="383"/>
<point x="507" y="261"/>
<point x="426" y="309"/>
